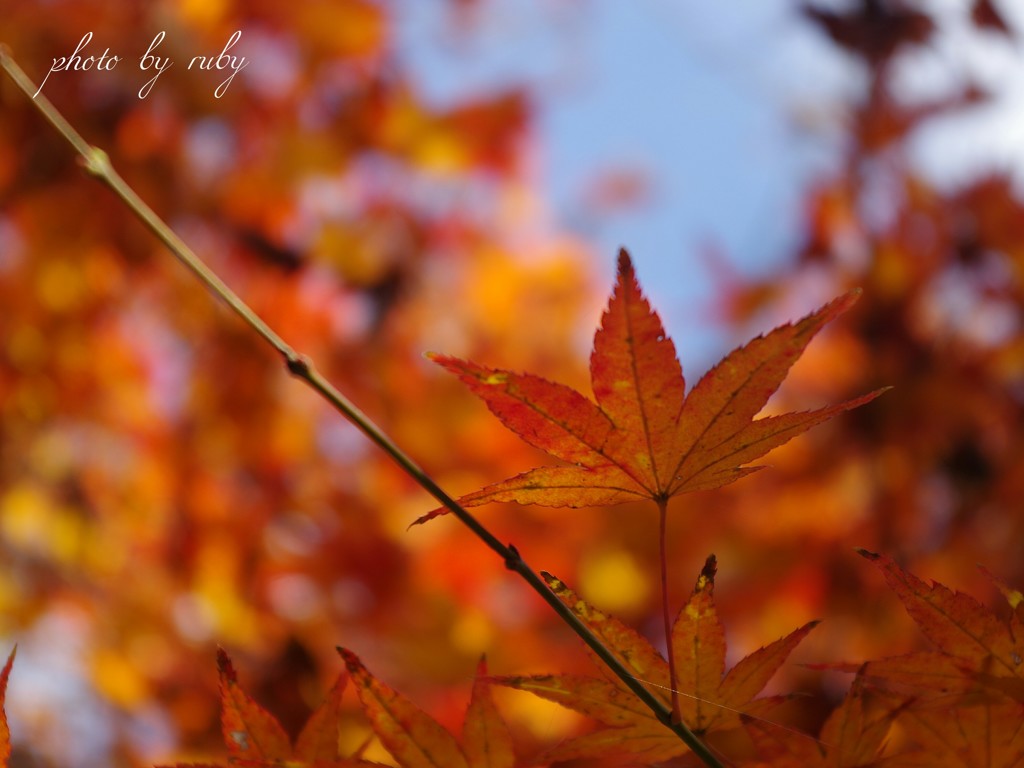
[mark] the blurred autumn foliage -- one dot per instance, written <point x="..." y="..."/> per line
<point x="165" y="487"/>
<point x="932" y="473"/>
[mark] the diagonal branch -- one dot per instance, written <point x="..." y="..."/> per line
<point x="97" y="163"/>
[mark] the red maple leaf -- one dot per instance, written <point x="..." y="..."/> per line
<point x="963" y="701"/>
<point x="975" y="649"/>
<point x="645" y="437"/>
<point x="255" y="739"/>
<point x="416" y="740"/>
<point x="711" y="698"/>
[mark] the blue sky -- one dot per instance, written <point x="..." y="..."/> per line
<point x="702" y="102"/>
<point x="730" y="108"/>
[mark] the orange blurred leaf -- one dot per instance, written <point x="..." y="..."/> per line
<point x="319" y="737"/>
<point x="853" y="735"/>
<point x="645" y="437"/>
<point x="974" y="646"/>
<point x="485" y="736"/>
<point x="412" y="737"/>
<point x="978" y="736"/>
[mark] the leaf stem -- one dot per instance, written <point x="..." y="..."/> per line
<point x="97" y="163"/>
<point x="673" y="679"/>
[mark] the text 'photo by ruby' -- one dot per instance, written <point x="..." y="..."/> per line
<point x="150" y="62"/>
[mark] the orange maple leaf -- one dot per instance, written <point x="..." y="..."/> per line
<point x="255" y="738"/>
<point x="976" y="650"/>
<point x="711" y="699"/>
<point x="853" y="735"/>
<point x="416" y="740"/>
<point x="964" y="700"/>
<point x="645" y="437"/>
<point x="486" y="739"/>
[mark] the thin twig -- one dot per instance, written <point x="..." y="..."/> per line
<point x="97" y="163"/>
<point x="666" y="615"/>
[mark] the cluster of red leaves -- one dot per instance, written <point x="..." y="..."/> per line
<point x="959" y="705"/>
<point x="974" y="677"/>
<point x="255" y="739"/>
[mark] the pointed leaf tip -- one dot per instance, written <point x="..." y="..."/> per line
<point x="10" y="662"/>
<point x="413" y="738"/>
<point x="847" y="300"/>
<point x="352" y="662"/>
<point x="427" y="517"/>
<point x="706" y="580"/>
<point x="250" y="732"/>
<point x="225" y="666"/>
<point x="710" y="568"/>
<point x="625" y="263"/>
<point x="552" y="581"/>
<point x="1013" y="596"/>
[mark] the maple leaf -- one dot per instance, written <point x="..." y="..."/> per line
<point x="853" y="735"/>
<point x="645" y="437"/>
<point x="416" y="740"/>
<point x="975" y="648"/>
<point x="249" y="730"/>
<point x="983" y="735"/>
<point x="968" y="695"/>
<point x="485" y="736"/>
<point x="712" y="699"/>
<point x="255" y="739"/>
